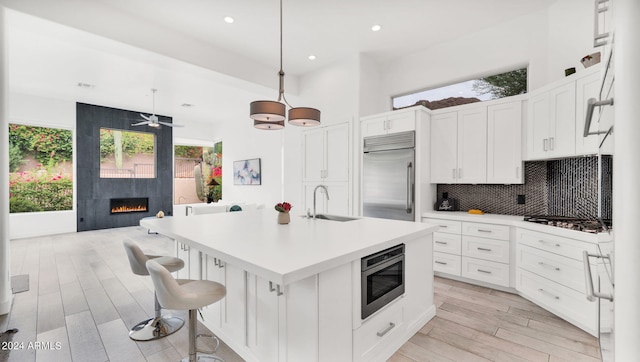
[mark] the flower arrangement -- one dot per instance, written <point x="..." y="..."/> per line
<point x="283" y="207"/>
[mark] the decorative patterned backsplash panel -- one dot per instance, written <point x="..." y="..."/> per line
<point x="567" y="187"/>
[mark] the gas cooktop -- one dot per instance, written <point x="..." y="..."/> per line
<point x="581" y="224"/>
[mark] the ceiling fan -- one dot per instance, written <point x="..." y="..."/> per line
<point x="152" y="120"/>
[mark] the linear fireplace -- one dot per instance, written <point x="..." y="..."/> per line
<point x="128" y="205"/>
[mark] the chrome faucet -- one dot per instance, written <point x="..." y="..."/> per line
<point x="314" y="197"/>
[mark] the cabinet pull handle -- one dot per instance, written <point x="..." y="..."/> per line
<point x="441" y="242"/>
<point x="549" y="243"/>
<point x="454" y="173"/>
<point x="444" y="226"/>
<point x="541" y="263"/>
<point x="588" y="278"/>
<point x="591" y="104"/>
<point x="551" y="143"/>
<point x="548" y="294"/>
<point x="459" y="173"/>
<point x="485" y="231"/>
<point x="484" y="271"/>
<point x="484" y="249"/>
<point x="217" y="262"/>
<point x="276" y="289"/>
<point x="441" y="262"/>
<point x="544" y="144"/>
<point x="386" y="330"/>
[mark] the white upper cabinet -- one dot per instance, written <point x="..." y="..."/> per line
<point x="504" y="143"/>
<point x="551" y="123"/>
<point x="472" y="146"/>
<point x="459" y="146"/>
<point x="587" y="87"/>
<point x="399" y="121"/>
<point x="444" y="147"/>
<point x="326" y="153"/>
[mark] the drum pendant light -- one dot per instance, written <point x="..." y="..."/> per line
<point x="270" y="115"/>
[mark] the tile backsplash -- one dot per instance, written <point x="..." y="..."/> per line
<point x="566" y="187"/>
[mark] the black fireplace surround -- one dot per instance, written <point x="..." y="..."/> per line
<point x="95" y="194"/>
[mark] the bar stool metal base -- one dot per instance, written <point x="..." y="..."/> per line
<point x="155" y="328"/>
<point x="203" y="357"/>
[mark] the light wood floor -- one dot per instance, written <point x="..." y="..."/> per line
<point x="473" y="323"/>
<point x="83" y="295"/>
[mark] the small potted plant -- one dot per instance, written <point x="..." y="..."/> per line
<point x="283" y="209"/>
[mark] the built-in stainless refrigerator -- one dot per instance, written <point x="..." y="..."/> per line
<point x="388" y="176"/>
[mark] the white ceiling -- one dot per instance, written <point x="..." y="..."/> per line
<point x="222" y="66"/>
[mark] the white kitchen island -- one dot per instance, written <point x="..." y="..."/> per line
<point x="293" y="291"/>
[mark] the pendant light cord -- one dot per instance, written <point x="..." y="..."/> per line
<point x="281" y="96"/>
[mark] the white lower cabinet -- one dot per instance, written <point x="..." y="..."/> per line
<point x="485" y="271"/>
<point x="551" y="274"/>
<point x="472" y="250"/>
<point x="372" y="337"/>
<point x="307" y="320"/>
<point x="446" y="263"/>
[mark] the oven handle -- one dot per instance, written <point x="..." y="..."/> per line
<point x="588" y="277"/>
<point x="383" y="264"/>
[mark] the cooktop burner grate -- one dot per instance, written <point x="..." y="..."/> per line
<point x="581" y="224"/>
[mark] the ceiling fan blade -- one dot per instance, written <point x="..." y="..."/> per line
<point x="171" y="124"/>
<point x="148" y="118"/>
<point x="141" y="123"/>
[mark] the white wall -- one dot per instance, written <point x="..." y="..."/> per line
<point x="549" y="41"/>
<point x="240" y="141"/>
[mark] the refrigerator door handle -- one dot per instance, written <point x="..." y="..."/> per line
<point x="409" y="188"/>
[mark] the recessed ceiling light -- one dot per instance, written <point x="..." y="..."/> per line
<point x="376" y="28"/>
<point x="312" y="57"/>
<point x="85" y="85"/>
<point x="186" y="105"/>
<point x="228" y="19"/>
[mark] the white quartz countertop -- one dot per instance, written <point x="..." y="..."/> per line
<point x="254" y="241"/>
<point x="518" y="221"/>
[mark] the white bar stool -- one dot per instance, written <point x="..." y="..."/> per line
<point x="186" y="294"/>
<point x="158" y="326"/>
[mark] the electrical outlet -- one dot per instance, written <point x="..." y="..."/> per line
<point x="520" y="200"/>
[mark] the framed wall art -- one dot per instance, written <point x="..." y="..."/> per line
<point x="247" y="172"/>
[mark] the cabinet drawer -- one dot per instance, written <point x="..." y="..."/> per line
<point x="570" y="248"/>
<point x="565" y="271"/>
<point x="447" y="243"/>
<point x="373" y="335"/>
<point x="486" y="271"/>
<point x="487" y="249"/>
<point x="446" y="263"/>
<point x="446" y="226"/>
<point x="500" y="232"/>
<point x="558" y="299"/>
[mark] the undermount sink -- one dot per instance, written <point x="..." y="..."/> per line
<point x="335" y="217"/>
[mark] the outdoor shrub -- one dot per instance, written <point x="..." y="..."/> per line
<point x="17" y="205"/>
<point x="50" y="145"/>
<point x="15" y="157"/>
<point x="40" y="191"/>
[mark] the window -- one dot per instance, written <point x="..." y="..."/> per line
<point x="195" y="168"/>
<point x="40" y="169"/>
<point x="471" y="91"/>
<point x="127" y="154"/>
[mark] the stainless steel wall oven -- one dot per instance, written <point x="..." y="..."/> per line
<point x="382" y="278"/>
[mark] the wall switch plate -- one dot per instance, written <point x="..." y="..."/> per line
<point x="520" y="200"/>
